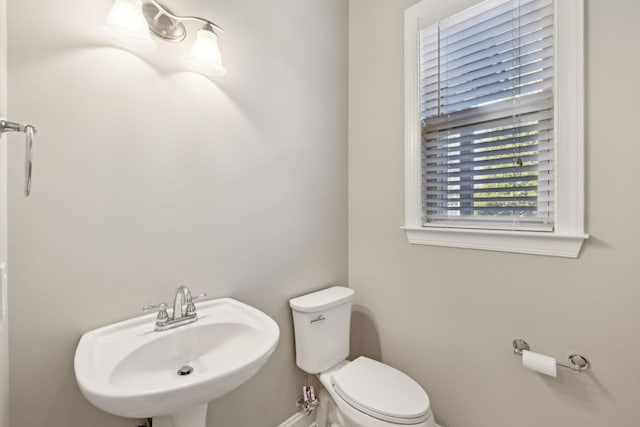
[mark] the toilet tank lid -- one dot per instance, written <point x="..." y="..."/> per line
<point x="322" y="300"/>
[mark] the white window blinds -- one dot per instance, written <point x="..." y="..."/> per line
<point x="487" y="111"/>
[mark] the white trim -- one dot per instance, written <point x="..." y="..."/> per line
<point x="569" y="121"/>
<point x="522" y="242"/>
<point x="412" y="183"/>
<point x="568" y="235"/>
<point x="299" y="419"/>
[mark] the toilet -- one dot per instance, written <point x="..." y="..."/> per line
<point x="361" y="393"/>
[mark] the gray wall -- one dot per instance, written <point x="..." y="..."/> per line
<point x="147" y="177"/>
<point x="447" y="316"/>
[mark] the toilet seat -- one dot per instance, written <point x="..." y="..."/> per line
<point x="381" y="391"/>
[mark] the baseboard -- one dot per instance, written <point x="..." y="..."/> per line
<point x="299" y="419"/>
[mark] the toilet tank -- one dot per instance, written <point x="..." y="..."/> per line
<point x="321" y="321"/>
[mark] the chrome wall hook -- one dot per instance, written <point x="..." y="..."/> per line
<point x="29" y="131"/>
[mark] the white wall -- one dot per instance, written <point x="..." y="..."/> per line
<point x="4" y="332"/>
<point x="147" y="177"/>
<point x="447" y="316"/>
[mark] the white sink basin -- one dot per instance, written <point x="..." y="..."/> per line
<point x="130" y="370"/>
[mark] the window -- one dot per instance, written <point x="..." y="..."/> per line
<point x="494" y="150"/>
<point x="486" y="111"/>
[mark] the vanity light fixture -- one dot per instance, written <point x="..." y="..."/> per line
<point x="127" y="27"/>
<point x="130" y="23"/>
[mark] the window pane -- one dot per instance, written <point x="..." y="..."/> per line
<point x="486" y="103"/>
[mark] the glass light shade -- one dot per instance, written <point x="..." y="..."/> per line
<point x="127" y="27"/>
<point x="205" y="57"/>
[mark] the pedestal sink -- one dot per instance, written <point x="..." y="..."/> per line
<point x="132" y="371"/>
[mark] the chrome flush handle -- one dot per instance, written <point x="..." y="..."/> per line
<point x="319" y="319"/>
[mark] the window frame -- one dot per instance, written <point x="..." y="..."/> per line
<point x="568" y="235"/>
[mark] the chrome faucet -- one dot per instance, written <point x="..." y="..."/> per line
<point x="182" y="297"/>
<point x="184" y="310"/>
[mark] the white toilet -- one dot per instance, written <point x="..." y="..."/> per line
<point x="362" y="393"/>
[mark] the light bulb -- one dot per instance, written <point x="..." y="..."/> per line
<point x="205" y="57"/>
<point x="127" y="27"/>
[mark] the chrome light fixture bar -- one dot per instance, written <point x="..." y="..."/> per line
<point x="126" y="26"/>
<point x="169" y="26"/>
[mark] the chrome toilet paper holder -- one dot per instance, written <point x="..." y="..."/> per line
<point x="577" y="362"/>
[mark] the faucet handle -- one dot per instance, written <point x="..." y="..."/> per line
<point x="163" y="316"/>
<point x="199" y="297"/>
<point x="191" y="307"/>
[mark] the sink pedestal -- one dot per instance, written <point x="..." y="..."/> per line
<point x="193" y="416"/>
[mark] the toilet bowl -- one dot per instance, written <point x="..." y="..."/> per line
<point x="361" y="393"/>
<point x="369" y="393"/>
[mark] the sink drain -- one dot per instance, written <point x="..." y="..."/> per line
<point x="185" y="370"/>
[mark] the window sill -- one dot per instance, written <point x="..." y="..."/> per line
<point x="523" y="242"/>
